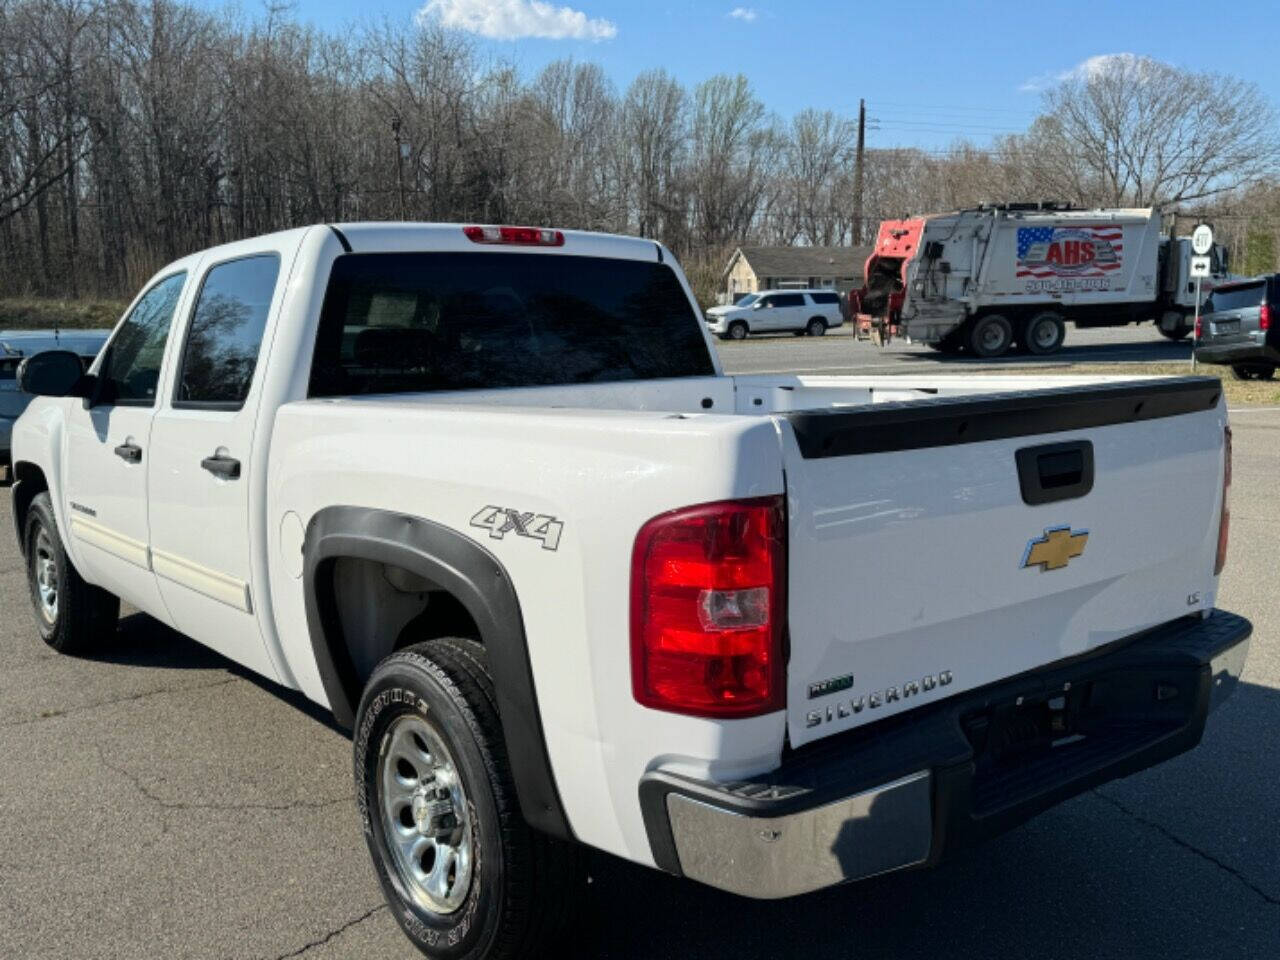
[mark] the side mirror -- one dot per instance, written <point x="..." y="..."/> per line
<point x="759" y="304"/>
<point x="54" y="373"/>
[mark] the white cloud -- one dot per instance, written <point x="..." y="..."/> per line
<point x="1084" y="70"/>
<point x="743" y="13"/>
<point x="516" y="19"/>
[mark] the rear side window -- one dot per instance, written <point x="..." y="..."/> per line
<point x="415" y="322"/>
<point x="825" y="297"/>
<point x="1235" y="298"/>
<point x="226" y="333"/>
<point x="787" y="300"/>
<point x="130" y="370"/>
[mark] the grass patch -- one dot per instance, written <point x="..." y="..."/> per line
<point x="38" y="313"/>
<point x="1240" y="393"/>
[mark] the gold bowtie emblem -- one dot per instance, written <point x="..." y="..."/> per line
<point x="1055" y="549"/>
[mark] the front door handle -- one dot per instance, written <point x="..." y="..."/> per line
<point x="129" y="452"/>
<point x="228" y="468"/>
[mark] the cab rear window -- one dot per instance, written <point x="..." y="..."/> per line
<point x="416" y="322"/>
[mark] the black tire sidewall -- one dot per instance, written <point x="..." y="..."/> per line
<point x="40" y="517"/>
<point x="816" y="328"/>
<point x="983" y="322"/>
<point x="734" y="329"/>
<point x="404" y="687"/>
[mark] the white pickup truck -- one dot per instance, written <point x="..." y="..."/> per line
<point x="486" y="494"/>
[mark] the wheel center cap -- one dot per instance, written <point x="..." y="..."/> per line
<point x="433" y="815"/>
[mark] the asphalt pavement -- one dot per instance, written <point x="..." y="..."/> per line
<point x="157" y="801"/>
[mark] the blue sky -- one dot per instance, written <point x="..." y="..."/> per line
<point x="930" y="71"/>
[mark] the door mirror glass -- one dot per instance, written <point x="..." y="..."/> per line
<point x="760" y="305"/>
<point x="54" y="373"/>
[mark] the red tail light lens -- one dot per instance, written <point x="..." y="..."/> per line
<point x="518" y="236"/>
<point x="1264" y="318"/>
<point x="1199" y="327"/>
<point x="1224" y="521"/>
<point x="707" y="604"/>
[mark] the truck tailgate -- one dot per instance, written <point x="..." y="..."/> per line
<point x="928" y="558"/>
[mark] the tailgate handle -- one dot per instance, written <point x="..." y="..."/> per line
<point x="1055" y="471"/>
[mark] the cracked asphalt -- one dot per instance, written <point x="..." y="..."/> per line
<point x="159" y="802"/>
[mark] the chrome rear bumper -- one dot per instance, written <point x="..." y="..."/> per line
<point x="903" y="792"/>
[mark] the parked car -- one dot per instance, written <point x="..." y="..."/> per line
<point x="811" y="312"/>
<point x="17" y="344"/>
<point x="570" y="585"/>
<point x="1239" y="326"/>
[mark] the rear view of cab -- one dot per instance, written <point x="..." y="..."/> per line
<point x="1238" y="326"/>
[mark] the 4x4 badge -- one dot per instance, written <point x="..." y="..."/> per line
<point x="500" y="521"/>
<point x="1055" y="549"/>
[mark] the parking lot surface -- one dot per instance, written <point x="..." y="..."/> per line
<point x="159" y="802"/>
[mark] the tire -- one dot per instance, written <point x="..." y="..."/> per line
<point x="1044" y="333"/>
<point x="816" y="327"/>
<point x="737" y="330"/>
<point x="1173" y="325"/>
<point x="1247" y="371"/>
<point x="73" y="616"/>
<point x="990" y="336"/>
<point x="512" y="889"/>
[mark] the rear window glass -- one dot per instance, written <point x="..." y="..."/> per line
<point x="825" y="297"/>
<point x="396" y="323"/>
<point x="1234" y="298"/>
<point x="9" y="369"/>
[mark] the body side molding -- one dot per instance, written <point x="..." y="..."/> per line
<point x="477" y="579"/>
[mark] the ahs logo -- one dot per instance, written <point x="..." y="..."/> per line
<point x="500" y="521"/>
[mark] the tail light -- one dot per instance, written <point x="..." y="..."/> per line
<point x="707" y="605"/>
<point x="1199" y="329"/>
<point x="1224" y="521"/>
<point x="517" y="236"/>
<point x="1264" y="317"/>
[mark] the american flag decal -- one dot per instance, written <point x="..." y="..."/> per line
<point x="1069" y="251"/>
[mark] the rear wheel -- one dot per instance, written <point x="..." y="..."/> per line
<point x="737" y="330"/>
<point x="816" y="327"/>
<point x="72" y="616"/>
<point x="466" y="877"/>
<point x="1173" y="325"/>
<point x="1044" y="333"/>
<point x="990" y="336"/>
<point x="1249" y="371"/>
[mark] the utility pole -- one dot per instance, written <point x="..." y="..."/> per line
<point x="857" y="171"/>
<point x="400" y="145"/>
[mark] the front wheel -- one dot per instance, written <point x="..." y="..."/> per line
<point x="1173" y="325"/>
<point x="737" y="330"/>
<point x="816" y="328"/>
<point x="466" y="877"/>
<point x="73" y="616"/>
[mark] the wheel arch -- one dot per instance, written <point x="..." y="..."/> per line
<point x="477" y="580"/>
<point x="28" y="482"/>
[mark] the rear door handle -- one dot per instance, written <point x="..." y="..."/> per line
<point x="129" y="452"/>
<point x="228" y="468"/>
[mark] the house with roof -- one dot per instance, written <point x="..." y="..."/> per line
<point x="752" y="269"/>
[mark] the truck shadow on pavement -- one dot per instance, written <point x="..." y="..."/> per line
<point x="1157" y="351"/>
<point x="1180" y="860"/>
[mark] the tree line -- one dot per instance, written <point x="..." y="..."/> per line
<point x="132" y="133"/>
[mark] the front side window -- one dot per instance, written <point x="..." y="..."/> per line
<point x="130" y="369"/>
<point x="222" y="346"/>
<point x="416" y="322"/>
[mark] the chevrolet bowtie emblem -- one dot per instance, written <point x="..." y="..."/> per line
<point x="1055" y="549"/>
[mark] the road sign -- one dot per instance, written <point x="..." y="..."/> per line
<point x="1202" y="240"/>
<point x="1199" y="267"/>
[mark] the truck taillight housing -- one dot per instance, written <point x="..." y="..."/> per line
<point x="707" y="607"/>
<point x="515" y="236"/>
<point x="1224" y="520"/>
<point x="1264" y="317"/>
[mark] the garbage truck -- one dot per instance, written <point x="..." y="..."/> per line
<point x="997" y="277"/>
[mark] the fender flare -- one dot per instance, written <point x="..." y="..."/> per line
<point x="480" y="582"/>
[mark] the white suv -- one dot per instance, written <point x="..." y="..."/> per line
<point x="800" y="311"/>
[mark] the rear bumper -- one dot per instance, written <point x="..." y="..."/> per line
<point x="1238" y="352"/>
<point x="905" y="791"/>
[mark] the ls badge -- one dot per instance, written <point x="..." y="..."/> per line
<point x="1055" y="549"/>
